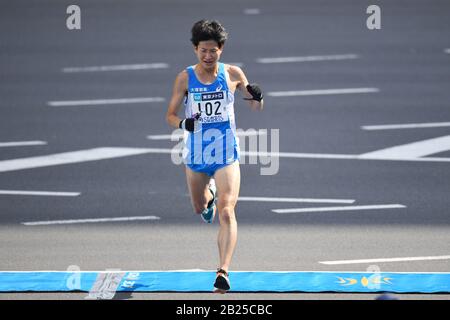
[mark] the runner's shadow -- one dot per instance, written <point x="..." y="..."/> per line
<point x="126" y="295"/>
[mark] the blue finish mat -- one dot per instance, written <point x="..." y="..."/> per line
<point x="241" y="281"/>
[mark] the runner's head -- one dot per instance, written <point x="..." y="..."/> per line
<point x="208" y="38"/>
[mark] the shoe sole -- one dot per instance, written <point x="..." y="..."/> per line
<point x="221" y="284"/>
<point x="219" y="291"/>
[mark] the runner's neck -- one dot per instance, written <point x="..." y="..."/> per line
<point x="209" y="75"/>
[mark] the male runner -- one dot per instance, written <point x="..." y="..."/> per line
<point x="211" y="150"/>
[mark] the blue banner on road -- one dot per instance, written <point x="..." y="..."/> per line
<point x="241" y="281"/>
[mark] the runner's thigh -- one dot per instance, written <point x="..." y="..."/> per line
<point x="198" y="183"/>
<point x="228" y="180"/>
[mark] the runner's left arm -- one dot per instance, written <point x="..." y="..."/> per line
<point x="251" y="91"/>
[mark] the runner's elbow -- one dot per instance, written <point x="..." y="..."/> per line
<point x="170" y="119"/>
<point x="256" y="105"/>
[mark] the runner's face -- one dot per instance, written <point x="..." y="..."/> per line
<point x="208" y="53"/>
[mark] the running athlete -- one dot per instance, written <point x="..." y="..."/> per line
<point x="211" y="146"/>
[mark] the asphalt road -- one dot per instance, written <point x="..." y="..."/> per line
<point x="322" y="138"/>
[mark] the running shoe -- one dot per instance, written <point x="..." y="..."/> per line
<point x="210" y="212"/>
<point x="222" y="283"/>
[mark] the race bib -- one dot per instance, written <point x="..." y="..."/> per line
<point x="211" y="106"/>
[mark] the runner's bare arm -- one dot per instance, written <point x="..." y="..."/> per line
<point x="237" y="75"/>
<point x="179" y="90"/>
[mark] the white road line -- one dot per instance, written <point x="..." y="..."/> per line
<point x="447" y="50"/>
<point x="386" y="260"/>
<point x="104" y="101"/>
<point x="307" y="200"/>
<point x="290" y="155"/>
<point x="123" y="67"/>
<point x="308" y="58"/>
<point x="411" y="150"/>
<point x="238" y="64"/>
<point x="75" y="221"/>
<point x="345" y="208"/>
<point x="427" y="159"/>
<point x="321" y="92"/>
<point x="164" y="136"/>
<point x="180" y="136"/>
<point x="39" y="193"/>
<point x="68" y="157"/>
<point x="297" y="155"/>
<point x="214" y="270"/>
<point x="407" y="126"/>
<point x="22" y="143"/>
<point x="109" y="153"/>
<point x="252" y="11"/>
<point x="118" y="271"/>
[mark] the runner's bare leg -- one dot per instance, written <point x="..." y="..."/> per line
<point x="198" y="183"/>
<point x="228" y="184"/>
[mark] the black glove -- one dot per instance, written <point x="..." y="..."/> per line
<point x="189" y="124"/>
<point x="255" y="91"/>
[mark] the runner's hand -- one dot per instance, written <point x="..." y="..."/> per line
<point x="255" y="91"/>
<point x="190" y="124"/>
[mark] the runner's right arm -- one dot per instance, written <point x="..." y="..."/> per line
<point x="178" y="94"/>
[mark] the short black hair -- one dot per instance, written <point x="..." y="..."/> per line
<point x="205" y="30"/>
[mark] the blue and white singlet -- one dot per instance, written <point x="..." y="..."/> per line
<point x="214" y="144"/>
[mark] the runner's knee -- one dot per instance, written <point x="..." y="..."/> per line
<point x="226" y="214"/>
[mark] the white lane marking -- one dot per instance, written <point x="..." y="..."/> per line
<point x="238" y="64"/>
<point x="321" y="92"/>
<point x="309" y="155"/>
<point x="411" y="150"/>
<point x="75" y="221"/>
<point x="308" y="58"/>
<point x="299" y="155"/>
<point x="164" y="136"/>
<point x="273" y="154"/>
<point x="281" y="154"/>
<point x="22" y="143"/>
<point x="427" y="159"/>
<point x="307" y="200"/>
<point x="385" y="260"/>
<point x="215" y="270"/>
<point x="68" y="157"/>
<point x="104" y="101"/>
<point x="407" y="126"/>
<point x="180" y="136"/>
<point x="447" y="50"/>
<point x="118" y="271"/>
<point x="252" y="11"/>
<point x="109" y="153"/>
<point x="345" y="208"/>
<point x="39" y="193"/>
<point x="123" y="67"/>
